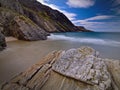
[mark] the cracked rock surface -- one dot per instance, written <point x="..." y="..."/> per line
<point x="83" y="67"/>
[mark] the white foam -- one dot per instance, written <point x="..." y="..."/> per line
<point x="86" y="40"/>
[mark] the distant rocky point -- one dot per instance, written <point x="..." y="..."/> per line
<point x="74" y="69"/>
<point x="30" y="20"/>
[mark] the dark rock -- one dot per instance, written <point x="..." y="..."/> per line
<point x="83" y="29"/>
<point x="12" y="4"/>
<point x="24" y="29"/>
<point x="6" y="15"/>
<point x="2" y="41"/>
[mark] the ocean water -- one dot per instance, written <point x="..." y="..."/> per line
<point x="87" y="38"/>
<point x="19" y="55"/>
<point x="107" y="43"/>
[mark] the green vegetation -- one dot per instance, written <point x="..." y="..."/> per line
<point x="62" y="26"/>
<point x="44" y="15"/>
<point x="27" y="20"/>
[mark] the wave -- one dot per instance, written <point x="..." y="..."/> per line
<point x="86" y="40"/>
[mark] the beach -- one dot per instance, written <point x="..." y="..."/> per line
<point x="19" y="55"/>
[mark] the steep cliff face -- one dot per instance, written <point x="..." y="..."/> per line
<point x="24" y="29"/>
<point x="42" y="16"/>
<point x="51" y="20"/>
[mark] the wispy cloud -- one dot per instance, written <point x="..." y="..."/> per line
<point x="70" y="15"/>
<point x="95" y="23"/>
<point x="80" y="3"/>
<point x="95" y="18"/>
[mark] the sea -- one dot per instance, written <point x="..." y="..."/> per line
<point x="19" y="55"/>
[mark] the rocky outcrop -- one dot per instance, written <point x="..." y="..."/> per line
<point x="114" y="69"/>
<point x="2" y="41"/>
<point x="12" y="5"/>
<point x="6" y="15"/>
<point x="87" y="68"/>
<point x="74" y="69"/>
<point x="43" y="16"/>
<point x="47" y="18"/>
<point x="83" y="29"/>
<point x="24" y="29"/>
<point x="20" y="26"/>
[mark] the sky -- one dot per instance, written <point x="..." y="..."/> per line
<point x="96" y="15"/>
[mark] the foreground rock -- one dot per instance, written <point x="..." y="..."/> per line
<point x="114" y="70"/>
<point x="60" y="70"/>
<point x="85" y="68"/>
<point x="2" y="41"/>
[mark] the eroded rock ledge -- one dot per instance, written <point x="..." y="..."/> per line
<point x="74" y="69"/>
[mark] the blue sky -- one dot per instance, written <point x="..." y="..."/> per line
<point x="97" y="15"/>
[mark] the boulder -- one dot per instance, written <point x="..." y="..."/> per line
<point x="24" y="29"/>
<point x="2" y="41"/>
<point x="83" y="67"/>
<point x="114" y="70"/>
<point x="6" y="15"/>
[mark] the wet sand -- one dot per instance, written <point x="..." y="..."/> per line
<point x="8" y="39"/>
<point x="19" y="55"/>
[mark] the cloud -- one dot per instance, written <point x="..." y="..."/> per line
<point x="80" y="3"/>
<point x="95" y="23"/>
<point x="99" y="17"/>
<point x="70" y="15"/>
<point x="116" y="7"/>
<point x="116" y="2"/>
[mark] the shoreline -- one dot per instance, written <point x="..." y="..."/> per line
<point x="19" y="54"/>
<point x="10" y="38"/>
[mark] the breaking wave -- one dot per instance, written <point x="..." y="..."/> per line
<point x="86" y="40"/>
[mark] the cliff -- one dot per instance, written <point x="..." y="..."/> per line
<point x="43" y="18"/>
<point x="74" y="69"/>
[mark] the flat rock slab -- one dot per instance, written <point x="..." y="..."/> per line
<point x="84" y="67"/>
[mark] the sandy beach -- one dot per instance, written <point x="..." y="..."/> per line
<point x="19" y="55"/>
<point x="8" y="39"/>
